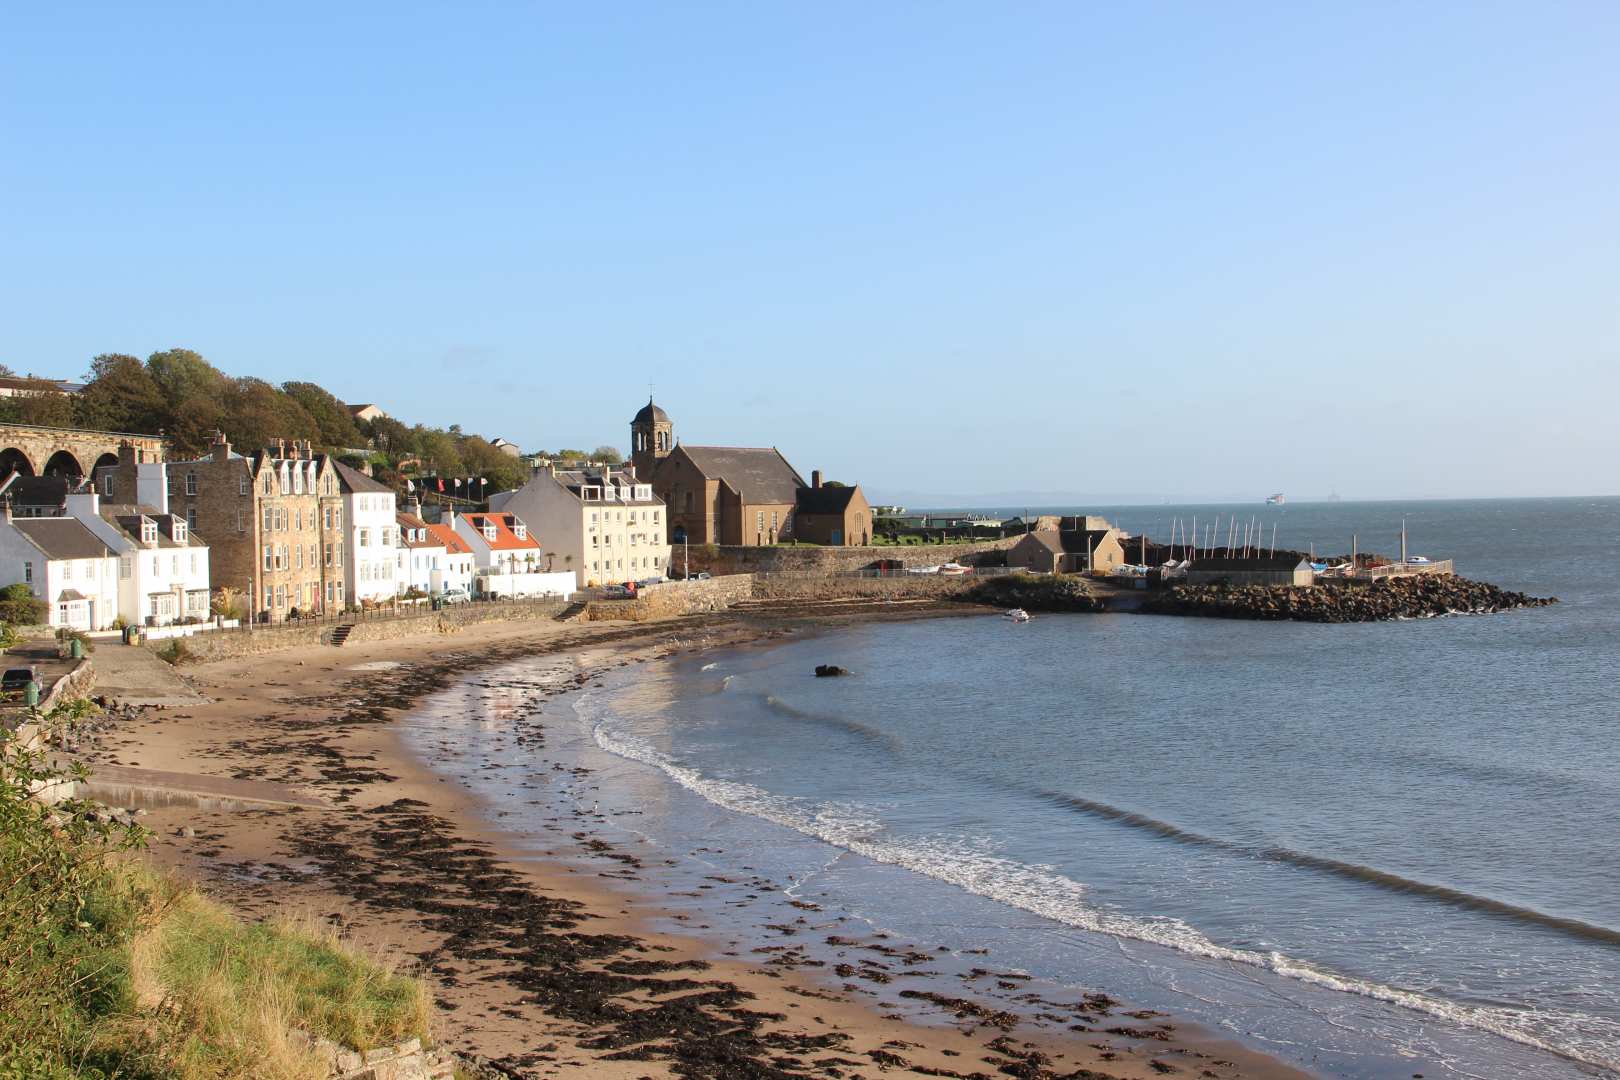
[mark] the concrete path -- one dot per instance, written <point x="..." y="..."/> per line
<point x="132" y="675"/>
<point x="125" y="785"/>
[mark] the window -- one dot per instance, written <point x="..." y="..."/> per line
<point x="362" y="538"/>
<point x="193" y="562"/>
<point x="269" y="557"/>
<point x="490" y="533"/>
<point x="281" y="596"/>
<point x="520" y="530"/>
<point x="126" y="566"/>
<point x="655" y="517"/>
<point x="326" y="555"/>
<point x="269" y="488"/>
<point x="326" y="517"/>
<point x="174" y="565"/>
<point x="148" y="532"/>
<point x="241" y="521"/>
<point x="269" y="518"/>
<point x="191" y="483"/>
<point x="106" y="485"/>
<point x="28" y="573"/>
<point x="179" y="533"/>
<point x="191" y="518"/>
<point x="298" y="553"/>
<point x="595" y="540"/>
<point x="67" y="570"/>
<point x="242" y="484"/>
<point x="328" y="592"/>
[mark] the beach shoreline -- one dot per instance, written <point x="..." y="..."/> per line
<point x="540" y="963"/>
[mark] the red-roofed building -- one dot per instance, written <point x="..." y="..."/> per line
<point x="510" y="561"/>
<point x="459" y="561"/>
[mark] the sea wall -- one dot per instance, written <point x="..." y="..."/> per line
<point x="675" y="598"/>
<point x="226" y="644"/>
<point x="1391" y="598"/>
<point x="804" y="558"/>
<point x="906" y="587"/>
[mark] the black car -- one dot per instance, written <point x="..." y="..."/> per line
<point x="16" y="678"/>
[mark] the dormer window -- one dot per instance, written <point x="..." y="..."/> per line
<point x="520" y="530"/>
<point x="490" y="532"/>
<point x="643" y="493"/>
<point x="179" y="532"/>
<point x="148" y="532"/>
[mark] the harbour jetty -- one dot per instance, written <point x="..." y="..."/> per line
<point x="1388" y="598"/>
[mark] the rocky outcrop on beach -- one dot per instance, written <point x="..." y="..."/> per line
<point x="1392" y="598"/>
<point x="1035" y="593"/>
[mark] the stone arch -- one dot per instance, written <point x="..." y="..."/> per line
<point x="105" y="461"/>
<point x="63" y="463"/>
<point x="14" y="460"/>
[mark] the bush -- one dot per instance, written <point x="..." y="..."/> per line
<point x="176" y="652"/>
<point x="19" y="605"/>
<point x="65" y="635"/>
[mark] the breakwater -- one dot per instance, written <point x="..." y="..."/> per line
<point x="1035" y="593"/>
<point x="1393" y="598"/>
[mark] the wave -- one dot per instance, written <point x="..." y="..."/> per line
<point x="710" y="666"/>
<point x="1042" y="891"/>
<point x="854" y="727"/>
<point x="1368" y="875"/>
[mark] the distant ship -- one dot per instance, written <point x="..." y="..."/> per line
<point x="1276" y="500"/>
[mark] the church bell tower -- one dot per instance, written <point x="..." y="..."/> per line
<point x="652" y="437"/>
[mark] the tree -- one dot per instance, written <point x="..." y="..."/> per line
<point x="38" y="401"/>
<point x="438" y="450"/>
<point x="257" y="414"/>
<point x="121" y="396"/>
<point x="183" y="375"/>
<point x="480" y="458"/>
<point x="607" y="455"/>
<point x="20" y="607"/>
<point x="338" y="430"/>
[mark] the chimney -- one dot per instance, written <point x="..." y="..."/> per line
<point x="815" y="478"/>
<point x="221" y="447"/>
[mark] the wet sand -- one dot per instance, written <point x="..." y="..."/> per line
<point x="552" y="965"/>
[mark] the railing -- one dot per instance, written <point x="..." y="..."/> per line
<point x="400" y="609"/>
<point x="902" y="572"/>
<point x="1373" y="573"/>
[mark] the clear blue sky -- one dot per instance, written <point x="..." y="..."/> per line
<point x="1200" y="250"/>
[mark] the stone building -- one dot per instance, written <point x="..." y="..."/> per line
<point x="1077" y="545"/>
<point x="832" y="514"/>
<point x="1258" y="570"/>
<point x="273" y="521"/>
<point x="715" y="494"/>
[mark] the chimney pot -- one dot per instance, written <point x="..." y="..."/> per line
<point x="815" y="478"/>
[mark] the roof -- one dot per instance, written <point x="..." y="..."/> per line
<point x="1047" y="538"/>
<point x="38" y="384"/>
<point x="356" y="410"/>
<point x="69" y="595"/>
<point x="1258" y="562"/>
<point x="651" y="413"/>
<point x="353" y="480"/>
<point x="127" y="517"/>
<point x="824" y="500"/>
<point x="35" y="490"/>
<point x="759" y="475"/>
<point x="447" y="538"/>
<point x="412" y="522"/>
<point x="619" y="486"/>
<point x="62" y="538"/>
<point x="1081" y="541"/>
<point x="505" y="538"/>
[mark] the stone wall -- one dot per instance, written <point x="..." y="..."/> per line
<point x="675" y="598"/>
<point x="908" y="587"/>
<point x="407" y="1061"/>
<point x="804" y="558"/>
<point x="226" y="644"/>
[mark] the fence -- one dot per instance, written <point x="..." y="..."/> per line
<point x="399" y="609"/>
<point x="901" y="572"/>
<point x="1389" y="570"/>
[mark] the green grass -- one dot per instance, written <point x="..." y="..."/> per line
<point x="115" y="971"/>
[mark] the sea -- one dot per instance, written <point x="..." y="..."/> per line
<point x="1372" y="850"/>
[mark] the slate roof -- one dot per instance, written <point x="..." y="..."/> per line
<point x="409" y="523"/>
<point x="127" y="517"/>
<point x="1080" y="541"/>
<point x="825" y="500"/>
<point x="651" y="412"/>
<point x="758" y="474"/>
<point x="35" y="490"/>
<point x="1047" y="538"/>
<point x="353" y="480"/>
<point x="62" y="538"/>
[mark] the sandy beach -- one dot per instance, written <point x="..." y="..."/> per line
<point x="552" y="965"/>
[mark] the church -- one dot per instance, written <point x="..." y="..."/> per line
<point x="739" y="495"/>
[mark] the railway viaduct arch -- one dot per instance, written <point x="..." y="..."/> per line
<point x="48" y="451"/>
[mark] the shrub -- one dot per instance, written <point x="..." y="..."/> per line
<point x="65" y="635"/>
<point x="176" y="652"/>
<point x="19" y="605"/>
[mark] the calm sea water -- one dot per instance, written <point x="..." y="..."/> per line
<point x="1376" y="850"/>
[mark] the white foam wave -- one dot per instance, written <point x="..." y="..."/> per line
<point x="710" y="666"/>
<point x="1043" y="891"/>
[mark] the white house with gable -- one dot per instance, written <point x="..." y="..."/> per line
<point x="162" y="564"/>
<point x="64" y="564"/>
<point x="604" y="525"/>
<point x="371" y="517"/>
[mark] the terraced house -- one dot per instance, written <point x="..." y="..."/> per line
<point x="273" y="520"/>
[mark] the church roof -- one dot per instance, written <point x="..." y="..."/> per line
<point x="825" y="500"/>
<point x="651" y="413"/>
<point x="759" y="475"/>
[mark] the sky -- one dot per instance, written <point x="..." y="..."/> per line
<point x="945" y="250"/>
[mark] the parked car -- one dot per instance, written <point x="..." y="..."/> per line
<point x="701" y="575"/>
<point x="17" y="678"/>
<point x="646" y="581"/>
<point x="615" y="591"/>
<point x="457" y="595"/>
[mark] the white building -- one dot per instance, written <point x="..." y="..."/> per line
<point x="459" y="562"/>
<point x="420" y="556"/>
<point x="370" y="518"/>
<point x="603" y="524"/>
<point x="162" y="564"/>
<point x="510" y="560"/>
<point x="64" y="564"/>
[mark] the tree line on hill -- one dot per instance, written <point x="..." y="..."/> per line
<point x="179" y="393"/>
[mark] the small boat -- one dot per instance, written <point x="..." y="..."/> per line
<point x="1278" y="499"/>
<point x="953" y="568"/>
<point x="1016" y="614"/>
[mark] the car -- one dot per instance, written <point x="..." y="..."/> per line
<point x="644" y="582"/>
<point x="701" y="575"/>
<point x="615" y="591"/>
<point x="455" y="595"/>
<point x="17" y="678"/>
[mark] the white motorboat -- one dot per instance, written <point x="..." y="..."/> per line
<point x="1016" y="614"/>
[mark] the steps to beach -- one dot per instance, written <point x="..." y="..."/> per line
<point x="572" y="612"/>
<point x="340" y="634"/>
